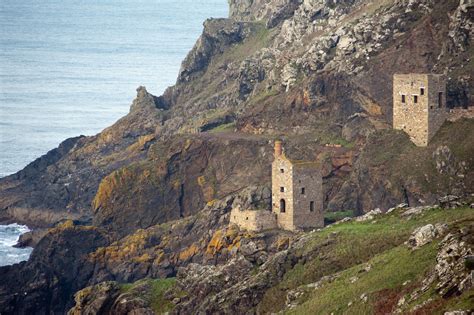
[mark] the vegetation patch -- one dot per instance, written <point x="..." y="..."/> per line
<point x="331" y="217"/>
<point x="349" y="246"/>
<point x="224" y="128"/>
<point x="346" y="295"/>
<point x="153" y="291"/>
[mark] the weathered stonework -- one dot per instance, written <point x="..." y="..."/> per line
<point x="297" y="198"/>
<point x="297" y="194"/>
<point x="419" y="105"/>
<point x="253" y="220"/>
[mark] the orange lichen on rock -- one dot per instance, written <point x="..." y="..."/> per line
<point x="122" y="181"/>
<point x="66" y="225"/>
<point x="108" y="185"/>
<point x="142" y="259"/>
<point x="201" y="181"/>
<point x="228" y="238"/>
<point x="306" y="98"/>
<point x="188" y="253"/>
<point x="159" y="257"/>
<point x="216" y="243"/>
<point x="130" y="247"/>
<point x="282" y="243"/>
<point x="207" y="188"/>
<point x="141" y="142"/>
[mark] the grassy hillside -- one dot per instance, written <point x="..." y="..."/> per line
<point x="354" y="268"/>
<point x="349" y="248"/>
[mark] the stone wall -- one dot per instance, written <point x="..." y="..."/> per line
<point x="307" y="189"/>
<point x="289" y="178"/>
<point x="253" y="220"/>
<point x="282" y="179"/>
<point x="408" y="116"/>
<point x="415" y="105"/>
<point x="438" y="111"/>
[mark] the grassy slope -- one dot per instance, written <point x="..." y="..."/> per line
<point x="155" y="293"/>
<point x="348" y="247"/>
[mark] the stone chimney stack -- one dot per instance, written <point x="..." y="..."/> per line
<point x="278" y="148"/>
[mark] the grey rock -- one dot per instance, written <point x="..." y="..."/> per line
<point x="445" y="161"/>
<point x="422" y="235"/>
<point x="452" y="274"/>
<point x="369" y="215"/>
<point x="217" y="34"/>
<point x="96" y="299"/>
<point x="417" y="211"/>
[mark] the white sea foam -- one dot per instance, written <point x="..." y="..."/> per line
<point x="9" y="235"/>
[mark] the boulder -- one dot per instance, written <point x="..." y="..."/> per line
<point x="369" y="215"/>
<point x="416" y="211"/>
<point x="425" y="234"/>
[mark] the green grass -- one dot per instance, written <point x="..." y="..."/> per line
<point x="463" y="302"/>
<point x="260" y="37"/>
<point x="158" y="303"/>
<point x="331" y="217"/>
<point x="224" y="128"/>
<point x="153" y="294"/>
<point x="262" y="96"/>
<point x="389" y="271"/>
<point x="343" y="246"/>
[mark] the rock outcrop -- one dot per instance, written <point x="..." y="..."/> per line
<point x="425" y="234"/>
<point x="57" y="268"/>
<point x="161" y="181"/>
<point x="452" y="274"/>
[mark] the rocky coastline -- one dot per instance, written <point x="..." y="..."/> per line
<point x="135" y="220"/>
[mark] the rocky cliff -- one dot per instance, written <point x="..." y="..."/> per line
<point x="154" y="190"/>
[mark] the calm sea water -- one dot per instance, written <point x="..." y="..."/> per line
<point x="71" y="67"/>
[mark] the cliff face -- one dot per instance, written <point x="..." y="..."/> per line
<point x="310" y="72"/>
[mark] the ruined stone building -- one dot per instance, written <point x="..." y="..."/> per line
<point x="297" y="198"/>
<point x="253" y="220"/>
<point x="419" y="105"/>
<point x="297" y="192"/>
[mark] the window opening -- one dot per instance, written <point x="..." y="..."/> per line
<point x="282" y="206"/>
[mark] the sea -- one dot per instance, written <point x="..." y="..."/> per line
<point x="71" y="67"/>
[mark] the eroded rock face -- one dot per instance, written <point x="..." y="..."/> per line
<point x="445" y="161"/>
<point x="254" y="197"/>
<point x="217" y="35"/>
<point x="108" y="298"/>
<point x="262" y="10"/>
<point x="205" y="238"/>
<point x="201" y="281"/>
<point x="57" y="268"/>
<point x="62" y="184"/>
<point x="453" y="275"/>
<point x="204" y="282"/>
<point x="96" y="299"/>
<point x="314" y="72"/>
<point x="177" y="180"/>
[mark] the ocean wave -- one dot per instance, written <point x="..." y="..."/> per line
<point x="9" y="235"/>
